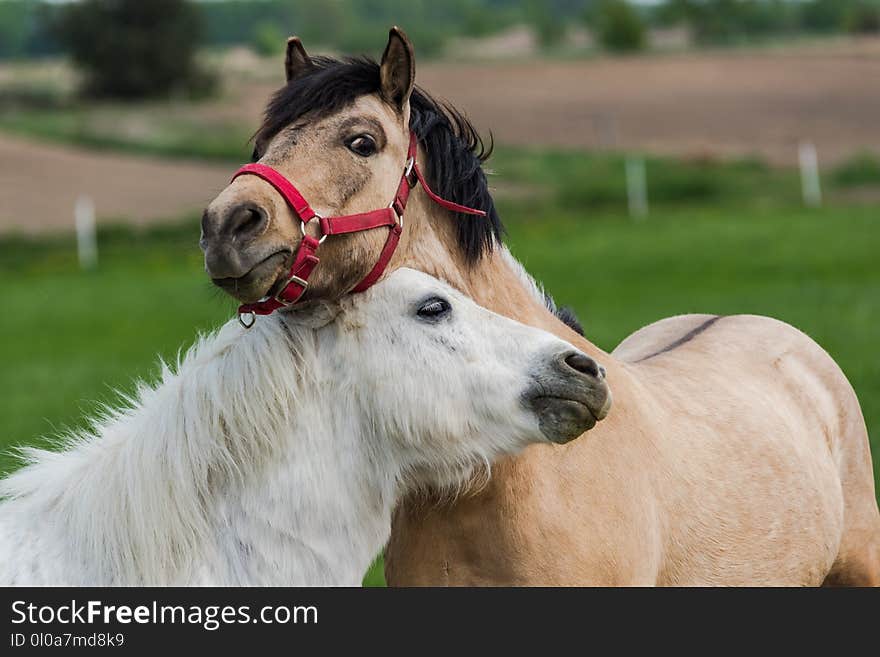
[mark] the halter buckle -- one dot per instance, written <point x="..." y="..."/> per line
<point x="293" y="278"/>
<point x="303" y="283"/>
<point x="410" y="163"/>
<point x="397" y="212"/>
<point x="302" y="226"/>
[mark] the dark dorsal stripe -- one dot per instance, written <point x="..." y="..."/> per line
<point x="454" y="150"/>
<point x="687" y="337"/>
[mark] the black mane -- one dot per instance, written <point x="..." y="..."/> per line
<point x="455" y="151"/>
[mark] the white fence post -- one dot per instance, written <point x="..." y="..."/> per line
<point x="810" y="182"/>
<point x="86" y="239"/>
<point x="637" y="187"/>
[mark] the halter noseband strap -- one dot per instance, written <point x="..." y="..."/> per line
<point x="306" y="258"/>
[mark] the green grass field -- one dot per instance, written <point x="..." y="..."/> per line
<point x="71" y="338"/>
<point x="721" y="238"/>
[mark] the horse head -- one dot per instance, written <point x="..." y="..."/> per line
<point x="342" y="132"/>
<point x="427" y="366"/>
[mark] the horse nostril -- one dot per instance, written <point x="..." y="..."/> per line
<point x="245" y="220"/>
<point x="208" y="225"/>
<point x="584" y="364"/>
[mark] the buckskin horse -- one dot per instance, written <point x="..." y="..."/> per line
<point x="735" y="452"/>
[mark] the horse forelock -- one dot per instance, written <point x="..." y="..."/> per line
<point x="453" y="148"/>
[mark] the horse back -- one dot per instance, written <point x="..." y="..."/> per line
<point x="767" y="423"/>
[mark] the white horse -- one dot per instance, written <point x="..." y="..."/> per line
<point x="275" y="456"/>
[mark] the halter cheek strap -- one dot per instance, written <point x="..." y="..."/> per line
<point x="306" y="258"/>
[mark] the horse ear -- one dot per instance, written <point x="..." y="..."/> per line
<point x="297" y="60"/>
<point x="398" y="69"/>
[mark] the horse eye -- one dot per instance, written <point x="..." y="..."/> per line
<point x="362" y="145"/>
<point x="434" y="308"/>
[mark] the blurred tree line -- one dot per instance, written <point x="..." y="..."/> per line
<point x="27" y="26"/>
<point x="133" y="48"/>
<point x="138" y="48"/>
<point x="731" y="21"/>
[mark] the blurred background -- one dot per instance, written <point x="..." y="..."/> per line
<point x="653" y="158"/>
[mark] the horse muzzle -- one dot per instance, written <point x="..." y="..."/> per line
<point x="568" y="394"/>
<point x="256" y="282"/>
<point x="239" y="257"/>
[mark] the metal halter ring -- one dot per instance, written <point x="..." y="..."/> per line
<point x="407" y="170"/>
<point x="302" y="226"/>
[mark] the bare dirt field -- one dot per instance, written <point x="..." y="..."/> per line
<point x="720" y="104"/>
<point x="40" y="183"/>
<point x="725" y="104"/>
<point x="709" y="104"/>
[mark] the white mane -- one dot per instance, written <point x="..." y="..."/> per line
<point x="132" y="492"/>
<point x="528" y="281"/>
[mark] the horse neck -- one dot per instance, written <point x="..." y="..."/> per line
<point x="472" y="531"/>
<point x="318" y="514"/>
<point x="212" y="478"/>
<point x="496" y="281"/>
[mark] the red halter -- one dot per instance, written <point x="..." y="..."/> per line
<point x="306" y="258"/>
